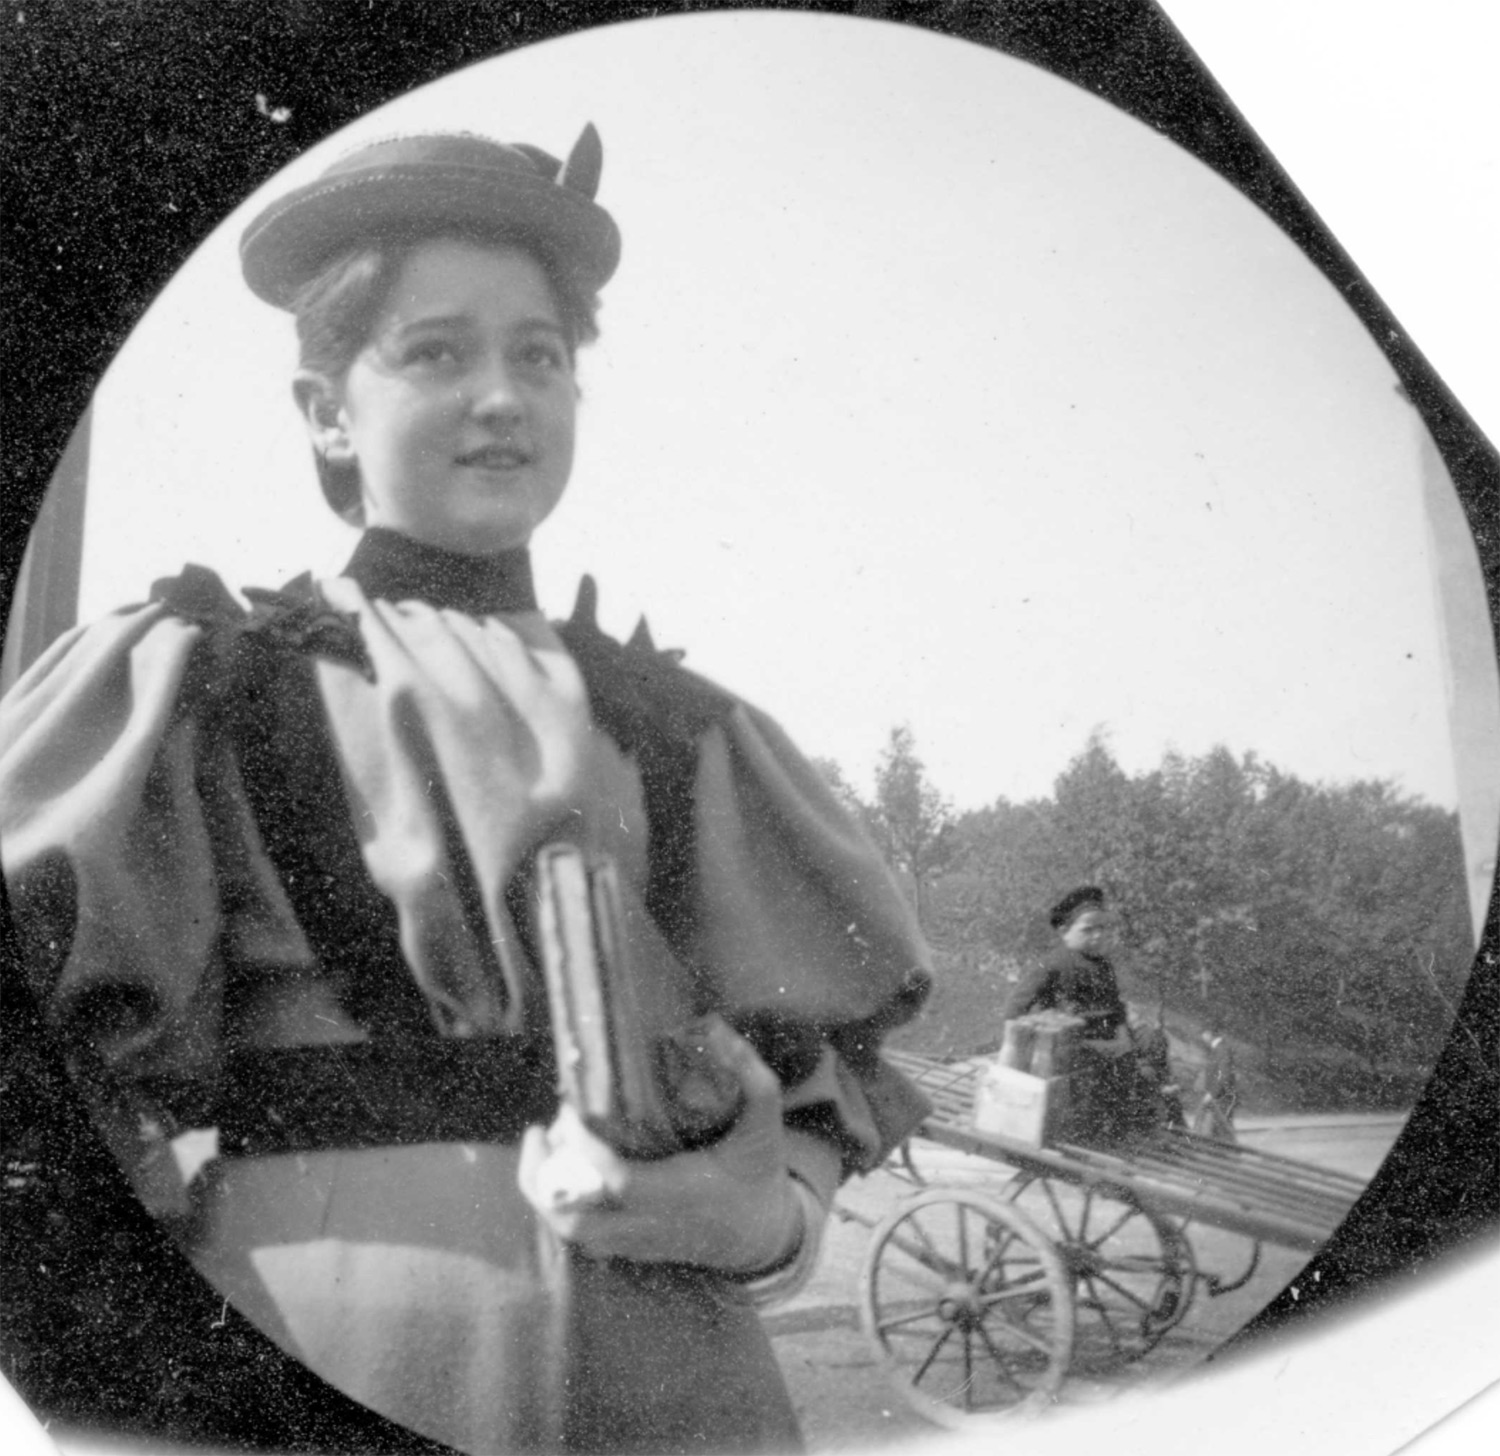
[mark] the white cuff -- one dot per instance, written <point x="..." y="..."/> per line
<point x="789" y="1275"/>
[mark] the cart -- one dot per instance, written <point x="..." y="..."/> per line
<point x="980" y="1304"/>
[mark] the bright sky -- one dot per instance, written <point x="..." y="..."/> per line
<point x="931" y="390"/>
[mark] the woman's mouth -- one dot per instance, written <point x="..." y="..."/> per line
<point x="496" y="457"/>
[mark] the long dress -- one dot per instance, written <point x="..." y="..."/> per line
<point x="271" y="876"/>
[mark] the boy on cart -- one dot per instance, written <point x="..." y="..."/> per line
<point x="1121" y="1076"/>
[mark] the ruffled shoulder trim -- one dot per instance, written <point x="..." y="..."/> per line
<point x="640" y="695"/>
<point x="198" y="594"/>
<point x="296" y="617"/>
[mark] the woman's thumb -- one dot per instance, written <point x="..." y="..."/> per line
<point x="759" y="1083"/>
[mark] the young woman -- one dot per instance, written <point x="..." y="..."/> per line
<point x="272" y="871"/>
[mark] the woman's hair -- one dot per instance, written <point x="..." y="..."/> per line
<point x="336" y="310"/>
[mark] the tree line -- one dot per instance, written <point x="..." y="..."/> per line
<point x="1323" y="927"/>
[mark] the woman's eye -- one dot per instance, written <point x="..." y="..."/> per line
<point x="430" y="351"/>
<point x="544" y="357"/>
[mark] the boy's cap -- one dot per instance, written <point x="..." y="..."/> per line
<point x="1085" y="897"/>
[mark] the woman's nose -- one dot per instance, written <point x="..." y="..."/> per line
<point x="495" y="394"/>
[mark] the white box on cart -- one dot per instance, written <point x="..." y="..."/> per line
<point x="1020" y="1106"/>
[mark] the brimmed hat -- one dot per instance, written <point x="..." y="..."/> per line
<point x="1085" y="897"/>
<point x="429" y="182"/>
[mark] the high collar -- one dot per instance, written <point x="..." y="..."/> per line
<point x="390" y="565"/>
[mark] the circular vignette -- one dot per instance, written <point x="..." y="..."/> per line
<point x="98" y="160"/>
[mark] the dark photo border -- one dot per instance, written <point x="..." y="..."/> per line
<point x="133" y="128"/>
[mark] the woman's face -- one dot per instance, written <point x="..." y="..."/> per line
<point x="459" y="409"/>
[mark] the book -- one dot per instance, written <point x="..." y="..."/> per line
<point x="648" y="1092"/>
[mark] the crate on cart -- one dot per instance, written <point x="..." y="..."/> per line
<point x="1030" y="1091"/>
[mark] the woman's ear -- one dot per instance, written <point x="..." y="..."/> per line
<point x="320" y="404"/>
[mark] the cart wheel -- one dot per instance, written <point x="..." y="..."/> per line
<point x="1131" y="1268"/>
<point x="968" y="1306"/>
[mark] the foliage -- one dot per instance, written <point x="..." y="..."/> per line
<point x="911" y="821"/>
<point x="1325" y="927"/>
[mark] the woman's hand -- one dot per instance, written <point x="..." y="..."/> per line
<point x="729" y="1206"/>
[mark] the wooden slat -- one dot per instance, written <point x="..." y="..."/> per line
<point x="1227" y="1185"/>
<point x="1271" y="1184"/>
<point x="1169" y="1196"/>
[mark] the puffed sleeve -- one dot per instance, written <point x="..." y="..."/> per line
<point x="131" y="860"/>
<point x="800" y="923"/>
<point x="766" y="889"/>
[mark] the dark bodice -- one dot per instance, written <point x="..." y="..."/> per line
<point x="1070" y="981"/>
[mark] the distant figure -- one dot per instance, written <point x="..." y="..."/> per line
<point x="1218" y="1089"/>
